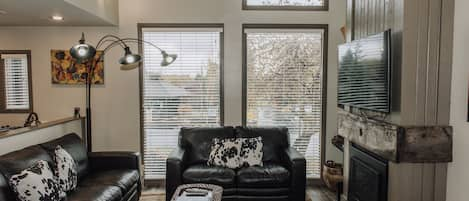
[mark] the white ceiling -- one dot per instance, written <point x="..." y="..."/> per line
<point x="38" y="13"/>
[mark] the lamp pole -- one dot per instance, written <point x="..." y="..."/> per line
<point x="85" y="53"/>
<point x="88" y="108"/>
<point x="89" y="79"/>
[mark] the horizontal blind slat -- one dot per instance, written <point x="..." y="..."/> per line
<point x="284" y="87"/>
<point x="285" y="2"/>
<point x="16" y="81"/>
<point x="186" y="93"/>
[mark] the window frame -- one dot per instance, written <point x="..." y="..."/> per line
<point x="325" y="7"/>
<point x="140" y="27"/>
<point x="3" y="109"/>
<point x="324" y="28"/>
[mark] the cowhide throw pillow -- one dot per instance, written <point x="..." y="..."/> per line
<point x="37" y="183"/>
<point x="251" y="152"/>
<point x="225" y="153"/>
<point x="66" y="169"/>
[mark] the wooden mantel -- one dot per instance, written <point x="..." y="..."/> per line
<point x="409" y="144"/>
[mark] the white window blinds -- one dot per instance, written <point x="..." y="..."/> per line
<point x="184" y="94"/>
<point x="285" y="2"/>
<point x="16" y="81"/>
<point x="284" y="86"/>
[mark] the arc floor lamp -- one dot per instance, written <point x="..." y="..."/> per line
<point x="84" y="53"/>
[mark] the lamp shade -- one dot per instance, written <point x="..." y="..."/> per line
<point x="129" y="58"/>
<point x="168" y="58"/>
<point x="129" y="66"/>
<point x="82" y="51"/>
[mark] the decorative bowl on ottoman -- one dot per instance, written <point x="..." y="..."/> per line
<point x="202" y="192"/>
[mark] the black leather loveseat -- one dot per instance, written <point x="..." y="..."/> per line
<point x="282" y="178"/>
<point x="102" y="176"/>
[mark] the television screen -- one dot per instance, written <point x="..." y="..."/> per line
<point x="364" y="73"/>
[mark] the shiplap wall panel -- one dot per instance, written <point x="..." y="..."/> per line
<point x="441" y="171"/>
<point x="445" y="61"/>
<point x="405" y="182"/>
<point x="369" y="16"/>
<point x="433" y="65"/>
<point x="428" y="181"/>
<point x="420" y="26"/>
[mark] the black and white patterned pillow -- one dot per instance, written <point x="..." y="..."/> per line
<point x="65" y="169"/>
<point x="251" y="152"/>
<point x="225" y="153"/>
<point x="37" y="183"/>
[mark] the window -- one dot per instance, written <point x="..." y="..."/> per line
<point x="283" y="84"/>
<point x="185" y="94"/>
<point x="319" y="5"/>
<point x="15" y="81"/>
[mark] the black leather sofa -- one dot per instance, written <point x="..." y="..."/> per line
<point x="282" y="178"/>
<point x="102" y="176"/>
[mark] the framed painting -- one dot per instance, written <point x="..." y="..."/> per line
<point x="66" y="70"/>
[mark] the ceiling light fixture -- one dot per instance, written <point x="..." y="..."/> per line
<point x="57" y="18"/>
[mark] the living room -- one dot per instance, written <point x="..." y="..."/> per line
<point x="263" y="77"/>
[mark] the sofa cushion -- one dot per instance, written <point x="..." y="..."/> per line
<point x="197" y="141"/>
<point x="17" y="161"/>
<point x="73" y="144"/>
<point x="275" y="139"/>
<point x="96" y="193"/>
<point x="124" y="179"/>
<point x="269" y="175"/>
<point x="225" y="153"/>
<point x="37" y="183"/>
<point x="221" y="176"/>
<point x="65" y="169"/>
<point x="251" y="151"/>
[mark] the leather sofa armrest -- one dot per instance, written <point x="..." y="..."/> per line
<point x="174" y="168"/>
<point x="114" y="160"/>
<point x="296" y="163"/>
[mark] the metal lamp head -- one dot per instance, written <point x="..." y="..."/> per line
<point x="129" y="58"/>
<point x="82" y="52"/>
<point x="168" y="59"/>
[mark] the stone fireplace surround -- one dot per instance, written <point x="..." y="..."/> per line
<point x="417" y="156"/>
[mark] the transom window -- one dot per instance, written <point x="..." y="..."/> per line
<point x="15" y="81"/>
<point x="283" y="84"/>
<point x="285" y="4"/>
<point x="185" y="94"/>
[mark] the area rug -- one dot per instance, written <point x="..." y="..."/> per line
<point x="159" y="195"/>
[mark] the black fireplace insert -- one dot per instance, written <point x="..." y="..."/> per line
<point x="368" y="176"/>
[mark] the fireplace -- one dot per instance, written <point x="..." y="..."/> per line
<point x="368" y="176"/>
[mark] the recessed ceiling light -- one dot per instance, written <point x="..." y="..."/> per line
<point x="57" y="18"/>
<point x="2" y="12"/>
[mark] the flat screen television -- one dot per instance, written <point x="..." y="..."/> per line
<point x="365" y="73"/>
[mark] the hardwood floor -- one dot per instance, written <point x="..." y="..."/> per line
<point x="321" y="193"/>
